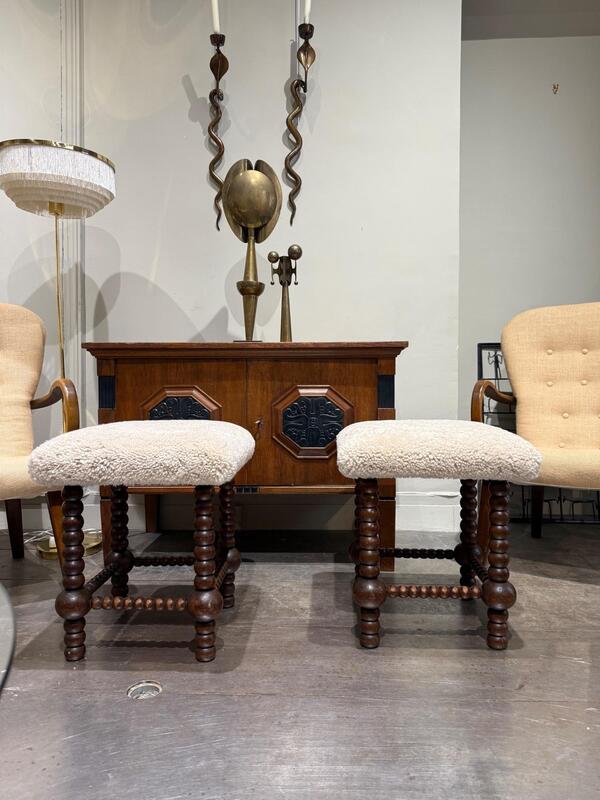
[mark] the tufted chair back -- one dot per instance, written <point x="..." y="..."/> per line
<point x="22" y="336"/>
<point x="553" y="361"/>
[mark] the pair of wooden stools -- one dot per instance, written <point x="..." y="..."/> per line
<point x="208" y="454"/>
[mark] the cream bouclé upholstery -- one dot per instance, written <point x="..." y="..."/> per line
<point x="22" y="337"/>
<point x="553" y="361"/>
<point x="435" y="449"/>
<point x="146" y="453"/>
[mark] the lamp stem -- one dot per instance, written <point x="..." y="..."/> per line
<point x="59" y="299"/>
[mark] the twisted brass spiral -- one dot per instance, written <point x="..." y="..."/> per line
<point x="292" y="156"/>
<point x="215" y="97"/>
<point x="218" y="66"/>
<point x="306" y="58"/>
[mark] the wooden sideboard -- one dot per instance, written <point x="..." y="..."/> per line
<point x="293" y="397"/>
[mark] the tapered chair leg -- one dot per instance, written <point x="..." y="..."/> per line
<point x="537" y="511"/>
<point x="14" y="520"/>
<point x="369" y="590"/>
<point x="206" y="601"/>
<point x="73" y="603"/>
<point x="121" y="557"/>
<point x="231" y="553"/>
<point x="498" y="593"/>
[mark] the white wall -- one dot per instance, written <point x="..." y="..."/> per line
<point x="30" y="107"/>
<point x="530" y="183"/>
<point x="377" y="216"/>
<point x="378" y="212"/>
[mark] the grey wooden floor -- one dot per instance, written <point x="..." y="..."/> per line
<point x="292" y="708"/>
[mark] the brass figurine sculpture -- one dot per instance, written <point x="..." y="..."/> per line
<point x="218" y="66"/>
<point x="285" y="272"/>
<point x="306" y="56"/>
<point x="252" y="204"/>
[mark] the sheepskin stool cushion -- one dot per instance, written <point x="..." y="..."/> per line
<point x="197" y="453"/>
<point x="468" y="451"/>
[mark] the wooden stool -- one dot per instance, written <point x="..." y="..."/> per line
<point x="200" y="453"/>
<point x="469" y="451"/>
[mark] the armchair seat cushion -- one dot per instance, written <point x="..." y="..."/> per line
<point x="576" y="468"/>
<point x="435" y="449"/>
<point x="145" y="453"/>
<point x="15" y="481"/>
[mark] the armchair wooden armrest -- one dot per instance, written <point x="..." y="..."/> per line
<point x="483" y="389"/>
<point x="62" y="389"/>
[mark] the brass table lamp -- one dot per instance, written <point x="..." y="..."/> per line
<point x="252" y="204"/>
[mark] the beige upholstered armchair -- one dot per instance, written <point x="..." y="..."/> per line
<point x="22" y="337"/>
<point x="552" y="356"/>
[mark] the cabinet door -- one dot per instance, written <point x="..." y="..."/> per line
<point x="298" y="407"/>
<point x="180" y="389"/>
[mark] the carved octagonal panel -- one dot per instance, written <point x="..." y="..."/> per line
<point x="180" y="402"/>
<point x="306" y="420"/>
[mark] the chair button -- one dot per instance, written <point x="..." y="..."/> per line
<point x="549" y="351"/>
<point x="561" y="444"/>
<point x="585" y="351"/>
<point x="549" y="383"/>
<point x="565" y="415"/>
<point x="584" y="383"/>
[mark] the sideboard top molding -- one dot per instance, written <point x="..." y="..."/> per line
<point x="253" y="350"/>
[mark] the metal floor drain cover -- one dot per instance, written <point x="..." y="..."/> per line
<point x="143" y="690"/>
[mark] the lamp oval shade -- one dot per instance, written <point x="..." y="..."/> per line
<point x="42" y="177"/>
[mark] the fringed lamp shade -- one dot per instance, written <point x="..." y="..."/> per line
<point x="50" y="178"/>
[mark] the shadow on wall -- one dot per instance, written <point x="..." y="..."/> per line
<point x="111" y="295"/>
<point x="129" y="306"/>
<point x="200" y="113"/>
<point x="123" y="306"/>
<point x="30" y="282"/>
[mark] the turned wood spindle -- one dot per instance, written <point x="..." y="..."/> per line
<point x="232" y="554"/>
<point x="73" y="603"/>
<point x="121" y="557"/>
<point x="468" y="549"/>
<point x="498" y="593"/>
<point x="369" y="590"/>
<point x="354" y="546"/>
<point x="206" y="601"/>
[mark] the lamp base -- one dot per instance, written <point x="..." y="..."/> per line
<point x="92" y="543"/>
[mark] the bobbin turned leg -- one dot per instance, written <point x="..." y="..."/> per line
<point x="206" y="601"/>
<point x="73" y="603"/>
<point x="498" y="593"/>
<point x="468" y="549"/>
<point x="368" y="590"/>
<point x="121" y="557"/>
<point x="232" y="554"/>
<point x="354" y="548"/>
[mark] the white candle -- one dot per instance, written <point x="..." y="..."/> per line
<point x="215" y="15"/>
<point x="307" y="11"/>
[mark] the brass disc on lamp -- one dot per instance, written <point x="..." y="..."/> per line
<point x="252" y="204"/>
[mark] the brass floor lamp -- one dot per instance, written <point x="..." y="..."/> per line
<point x="64" y="181"/>
<point x="59" y="180"/>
